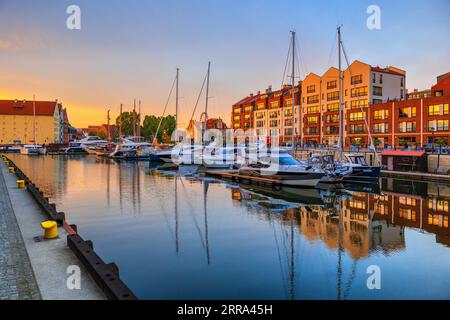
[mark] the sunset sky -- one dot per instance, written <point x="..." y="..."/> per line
<point x="130" y="49"/>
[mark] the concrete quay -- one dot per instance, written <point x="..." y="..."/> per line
<point x="31" y="267"/>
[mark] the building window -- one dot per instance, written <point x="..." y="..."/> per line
<point x="311" y="130"/>
<point x="313" y="99"/>
<point x="357" y="116"/>
<point x="314" y="109"/>
<point x="274" y="104"/>
<point x="333" y="96"/>
<point x="381" y="79"/>
<point x="260" y="115"/>
<point x="237" y="110"/>
<point x="288" y="122"/>
<point x="333" y="107"/>
<point x="407" y="201"/>
<point x="438" y="125"/>
<point x="407" y="127"/>
<point x="377" y="101"/>
<point x="380" y="128"/>
<point x="237" y="118"/>
<point x="273" y="123"/>
<point x="332" y="84"/>
<point x="438" y="110"/>
<point x="381" y="114"/>
<point x="288" y="112"/>
<point x="358" y="103"/>
<point x="359" y="92"/>
<point x="357" y="128"/>
<point x="312" y="120"/>
<point x="356" y="79"/>
<point x="407" y="112"/>
<point x="273" y="114"/>
<point x="332" y="118"/>
<point x="260" y="123"/>
<point x="402" y="82"/>
<point x="247" y="117"/>
<point x="374" y="78"/>
<point x="377" y="91"/>
<point x="311" y="88"/>
<point x="248" y="109"/>
<point x="260" y="106"/>
<point x="332" y="130"/>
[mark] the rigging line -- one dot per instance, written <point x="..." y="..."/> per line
<point x="198" y="98"/>
<point x="360" y="106"/>
<point x="164" y="111"/>
<point x="287" y="61"/>
<point x="350" y="280"/>
<point x="191" y="211"/>
<point x="283" y="277"/>
<point x="332" y="51"/>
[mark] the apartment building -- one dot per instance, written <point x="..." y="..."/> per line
<point x="17" y="122"/>
<point x="362" y="84"/>
<point x="411" y="122"/>
<point x="269" y="113"/>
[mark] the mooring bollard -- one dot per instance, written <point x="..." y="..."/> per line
<point x="50" y="229"/>
<point x="11" y="169"/>
<point x="20" y="184"/>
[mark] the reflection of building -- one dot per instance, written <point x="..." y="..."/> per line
<point x="369" y="222"/>
<point x="17" y="122"/>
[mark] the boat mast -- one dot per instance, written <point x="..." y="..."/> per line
<point x="134" y="118"/>
<point x="176" y="100"/>
<point x="207" y="94"/>
<point x="34" y="119"/>
<point x="120" y="125"/>
<point x="341" y="105"/>
<point x="293" y="89"/>
<point x="109" y="131"/>
<point x="139" y="123"/>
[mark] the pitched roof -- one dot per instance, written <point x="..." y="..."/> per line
<point x="388" y="70"/>
<point x="23" y="107"/>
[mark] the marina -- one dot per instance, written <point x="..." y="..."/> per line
<point x="251" y="241"/>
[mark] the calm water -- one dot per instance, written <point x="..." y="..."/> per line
<point x="183" y="238"/>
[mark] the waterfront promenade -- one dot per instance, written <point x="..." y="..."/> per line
<point x="31" y="269"/>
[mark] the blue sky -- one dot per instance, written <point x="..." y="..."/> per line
<point x="130" y="49"/>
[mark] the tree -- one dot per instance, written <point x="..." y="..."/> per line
<point x="376" y="142"/>
<point x="150" y="126"/>
<point x="127" y="123"/>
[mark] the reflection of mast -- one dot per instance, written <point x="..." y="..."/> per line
<point x="205" y="191"/>
<point x="108" y="182"/>
<point x="292" y="273"/>
<point x="177" y="244"/>
<point x="340" y="250"/>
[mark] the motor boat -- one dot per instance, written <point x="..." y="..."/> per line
<point x="360" y="170"/>
<point x="282" y="166"/>
<point x="222" y="157"/>
<point x="33" y="149"/>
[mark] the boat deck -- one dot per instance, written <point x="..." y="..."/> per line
<point x="235" y="176"/>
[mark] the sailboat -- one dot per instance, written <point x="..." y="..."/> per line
<point x="33" y="149"/>
<point x="279" y="164"/>
<point x="354" y="165"/>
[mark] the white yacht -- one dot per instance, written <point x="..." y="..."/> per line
<point x="33" y="149"/>
<point x="282" y="166"/>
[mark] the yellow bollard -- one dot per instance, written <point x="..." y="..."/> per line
<point x="50" y="229"/>
<point x="11" y="169"/>
<point x="20" y="184"/>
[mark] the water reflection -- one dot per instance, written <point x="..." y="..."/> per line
<point x="196" y="237"/>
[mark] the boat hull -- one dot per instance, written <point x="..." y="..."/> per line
<point x="301" y="179"/>
<point x="364" y="173"/>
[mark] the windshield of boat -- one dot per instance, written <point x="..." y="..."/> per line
<point x="281" y="160"/>
<point x="358" y="160"/>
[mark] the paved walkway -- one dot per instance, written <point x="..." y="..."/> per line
<point x="35" y="270"/>
<point x="17" y="280"/>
